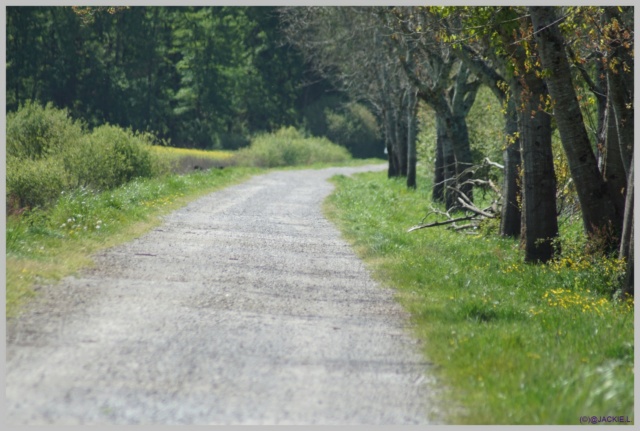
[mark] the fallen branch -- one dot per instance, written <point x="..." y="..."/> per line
<point x="494" y="164"/>
<point x="440" y="223"/>
<point x="465" y="226"/>
<point x="475" y="209"/>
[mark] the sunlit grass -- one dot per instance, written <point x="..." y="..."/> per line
<point x="45" y="245"/>
<point x="514" y="343"/>
<point x="186" y="160"/>
<point x="191" y="152"/>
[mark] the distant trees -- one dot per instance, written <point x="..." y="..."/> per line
<point x="349" y="47"/>
<point x="201" y="76"/>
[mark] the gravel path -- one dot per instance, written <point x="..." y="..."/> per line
<point x="244" y="307"/>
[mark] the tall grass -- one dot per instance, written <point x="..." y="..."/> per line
<point x="185" y="160"/>
<point x="512" y="343"/>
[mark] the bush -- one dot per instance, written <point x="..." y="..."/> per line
<point x="34" y="131"/>
<point x="34" y="183"/>
<point x="48" y="152"/>
<point x="110" y="157"/>
<point x="288" y="147"/>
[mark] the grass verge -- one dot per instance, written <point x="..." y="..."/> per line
<point x="44" y="246"/>
<point x="512" y="343"/>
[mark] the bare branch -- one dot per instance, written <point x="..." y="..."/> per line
<point x="475" y="209"/>
<point x="440" y="223"/>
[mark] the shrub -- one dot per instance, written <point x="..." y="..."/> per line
<point x="288" y="147"/>
<point x="34" y="183"/>
<point x="110" y="157"/>
<point x="34" y="131"/>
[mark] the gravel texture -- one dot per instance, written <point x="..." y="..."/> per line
<point x="244" y="307"/>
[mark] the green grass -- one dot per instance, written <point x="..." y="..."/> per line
<point x="46" y="245"/>
<point x="512" y="343"/>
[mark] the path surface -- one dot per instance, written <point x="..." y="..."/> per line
<point x="244" y="307"/>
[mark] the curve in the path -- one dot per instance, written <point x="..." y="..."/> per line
<point x="244" y="307"/>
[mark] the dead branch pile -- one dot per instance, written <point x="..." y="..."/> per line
<point x="465" y="210"/>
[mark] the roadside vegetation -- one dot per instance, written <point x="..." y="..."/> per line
<point x="512" y="343"/>
<point x="72" y="191"/>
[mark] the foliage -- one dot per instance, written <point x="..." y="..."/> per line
<point x="289" y="147"/>
<point x="35" y="132"/>
<point x="109" y="157"/>
<point x="513" y="343"/>
<point x="201" y="76"/>
<point x="34" y="183"/>
<point x="48" y="153"/>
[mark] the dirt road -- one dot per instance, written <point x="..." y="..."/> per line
<point x="244" y="307"/>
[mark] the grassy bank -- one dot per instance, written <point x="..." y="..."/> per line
<point x="46" y="245"/>
<point x="513" y="343"/>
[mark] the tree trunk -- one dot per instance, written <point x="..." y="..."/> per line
<point x="394" y="169"/>
<point x="620" y="85"/>
<point x="626" y="245"/>
<point x="627" y="228"/>
<point x="439" y="176"/>
<point x="510" y="219"/>
<point x="539" y="217"/>
<point x="411" y="138"/>
<point x="450" y="165"/>
<point x="598" y="211"/>
<point x="399" y="139"/>
<point x="613" y="170"/>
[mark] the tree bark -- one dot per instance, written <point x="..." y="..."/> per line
<point x="626" y="240"/>
<point x="627" y="243"/>
<point x="620" y="85"/>
<point x="539" y="217"/>
<point x="539" y="225"/>
<point x="439" y="171"/>
<point x="613" y="170"/>
<point x="510" y="218"/>
<point x="598" y="211"/>
<point x="412" y="156"/>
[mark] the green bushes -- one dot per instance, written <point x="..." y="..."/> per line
<point x="34" y="131"/>
<point x="288" y="147"/>
<point x="32" y="183"/>
<point x="110" y="157"/>
<point x="48" y="153"/>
